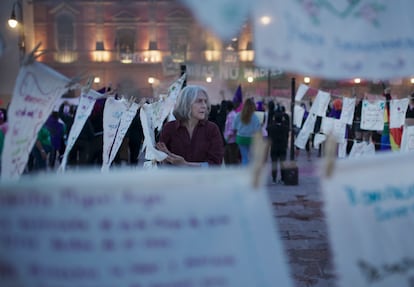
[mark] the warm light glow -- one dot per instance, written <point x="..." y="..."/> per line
<point x="208" y="79"/>
<point x="412" y="80"/>
<point x="153" y="56"/>
<point x="101" y="56"/>
<point x="265" y="20"/>
<point x="250" y="79"/>
<point x="13" y="23"/>
<point x="66" y="57"/>
<point x="357" y="80"/>
<point x="306" y="80"/>
<point x="246" y="56"/>
<point x="212" y="56"/>
<point x="151" y="80"/>
<point x="96" y="80"/>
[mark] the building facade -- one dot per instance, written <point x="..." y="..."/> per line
<point x="139" y="46"/>
<point x="127" y="42"/>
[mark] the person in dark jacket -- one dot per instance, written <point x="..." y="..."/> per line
<point x="278" y="134"/>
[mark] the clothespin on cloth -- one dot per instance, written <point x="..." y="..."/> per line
<point x="87" y="87"/>
<point x="76" y="80"/>
<point x="258" y="162"/>
<point x="330" y="155"/>
<point x="33" y="55"/>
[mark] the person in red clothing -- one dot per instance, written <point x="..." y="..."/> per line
<point x="192" y="140"/>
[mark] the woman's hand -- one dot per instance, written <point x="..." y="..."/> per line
<point x="176" y="159"/>
<point x="162" y="147"/>
<point x="173" y="158"/>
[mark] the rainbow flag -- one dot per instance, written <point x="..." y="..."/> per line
<point x="390" y="138"/>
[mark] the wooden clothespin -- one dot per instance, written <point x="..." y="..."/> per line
<point x="330" y="155"/>
<point x="87" y="87"/>
<point x="259" y="152"/>
<point x="76" y="80"/>
<point x="33" y="55"/>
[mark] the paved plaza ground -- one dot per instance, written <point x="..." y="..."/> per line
<point x="301" y="222"/>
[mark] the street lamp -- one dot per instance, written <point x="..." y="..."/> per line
<point x="14" y="23"/>
<point x="13" y="20"/>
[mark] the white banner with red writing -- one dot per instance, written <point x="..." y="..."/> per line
<point x="35" y="93"/>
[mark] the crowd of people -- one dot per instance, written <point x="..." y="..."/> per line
<point x="201" y="134"/>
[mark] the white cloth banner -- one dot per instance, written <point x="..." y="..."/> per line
<point x="320" y="104"/>
<point x="300" y="93"/>
<point x="224" y="17"/>
<point x="318" y="139"/>
<point x="362" y="149"/>
<point x="113" y="111"/>
<point x="305" y="132"/>
<point x="342" y="150"/>
<point x="372" y="115"/>
<point x="125" y="122"/>
<point x="369" y="208"/>
<point x="335" y="39"/>
<point x="153" y="116"/>
<point x="162" y="109"/>
<point x="407" y="141"/>
<point x="348" y="109"/>
<point x="398" y="108"/>
<point x="84" y="109"/>
<point x="35" y="93"/>
<point x="151" y="153"/>
<point x="140" y="228"/>
<point x="327" y="125"/>
<point x="298" y="113"/>
<point x="339" y="130"/>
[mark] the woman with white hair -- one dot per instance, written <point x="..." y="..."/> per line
<point x="192" y="140"/>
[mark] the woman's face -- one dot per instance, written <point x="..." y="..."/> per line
<point x="199" y="107"/>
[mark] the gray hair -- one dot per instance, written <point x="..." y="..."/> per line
<point x="186" y="99"/>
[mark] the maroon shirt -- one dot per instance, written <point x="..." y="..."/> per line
<point x="206" y="144"/>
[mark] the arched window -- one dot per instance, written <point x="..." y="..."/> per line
<point x="125" y="44"/>
<point x="65" y="33"/>
<point x="178" y="39"/>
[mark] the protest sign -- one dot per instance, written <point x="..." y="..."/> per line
<point x="369" y="204"/>
<point x="35" y="93"/>
<point x="318" y="140"/>
<point x="339" y="131"/>
<point x="306" y="130"/>
<point x="348" y="109"/>
<point x="113" y="112"/>
<point x="301" y="92"/>
<point x="407" y="141"/>
<point x="362" y="149"/>
<point x="320" y="103"/>
<point x="398" y="108"/>
<point x="327" y="125"/>
<point x="152" y="118"/>
<point x="125" y="121"/>
<point x="372" y="115"/>
<point x="84" y="109"/>
<point x="298" y="113"/>
<point x="152" y="155"/>
<point x="335" y="39"/>
<point x="140" y="229"/>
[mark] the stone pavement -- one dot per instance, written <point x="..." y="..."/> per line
<point x="301" y="223"/>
